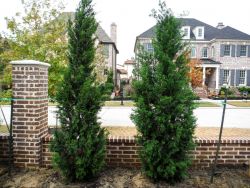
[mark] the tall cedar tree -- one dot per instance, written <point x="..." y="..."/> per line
<point x="80" y="145"/>
<point x="164" y="115"/>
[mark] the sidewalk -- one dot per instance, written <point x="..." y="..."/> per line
<point x="220" y="102"/>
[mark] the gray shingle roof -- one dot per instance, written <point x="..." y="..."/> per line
<point x="209" y="61"/>
<point x="100" y="33"/>
<point x="210" y="32"/>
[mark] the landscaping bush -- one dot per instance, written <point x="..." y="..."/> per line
<point x="243" y="89"/>
<point x="5" y="94"/>
<point x="79" y="147"/>
<point x="164" y="114"/>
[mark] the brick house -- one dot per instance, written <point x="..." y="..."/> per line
<point x="109" y="48"/>
<point x="222" y="50"/>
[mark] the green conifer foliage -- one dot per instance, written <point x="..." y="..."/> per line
<point x="80" y="144"/>
<point x="164" y="114"/>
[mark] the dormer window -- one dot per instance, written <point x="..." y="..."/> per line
<point x="199" y="32"/>
<point x="186" y="32"/>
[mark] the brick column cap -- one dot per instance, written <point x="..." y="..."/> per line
<point x="29" y="62"/>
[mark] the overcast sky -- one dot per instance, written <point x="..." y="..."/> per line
<point x="132" y="16"/>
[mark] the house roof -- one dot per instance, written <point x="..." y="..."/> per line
<point x="122" y="71"/>
<point x="210" y="32"/>
<point x="208" y="61"/>
<point x="100" y="33"/>
<point x="129" y="62"/>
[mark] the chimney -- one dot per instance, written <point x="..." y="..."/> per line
<point x="113" y="32"/>
<point x="220" y="25"/>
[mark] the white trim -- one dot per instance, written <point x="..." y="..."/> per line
<point x="29" y="62"/>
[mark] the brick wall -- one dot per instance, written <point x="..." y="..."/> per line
<point x="4" y="146"/>
<point x="233" y="151"/>
<point x="30" y="111"/>
<point x="123" y="151"/>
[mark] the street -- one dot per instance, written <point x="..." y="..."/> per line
<point x="120" y="116"/>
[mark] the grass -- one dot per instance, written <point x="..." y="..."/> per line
<point x="239" y="103"/>
<point x="118" y="103"/>
<point x="3" y="129"/>
<point x="132" y="104"/>
<point x="207" y="104"/>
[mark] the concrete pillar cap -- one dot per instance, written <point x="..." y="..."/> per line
<point x="29" y="62"/>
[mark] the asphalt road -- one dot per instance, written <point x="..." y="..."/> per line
<point x="206" y="117"/>
<point x="120" y="116"/>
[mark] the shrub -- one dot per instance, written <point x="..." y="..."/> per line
<point x="242" y="89"/>
<point x="80" y="144"/>
<point x="164" y="114"/>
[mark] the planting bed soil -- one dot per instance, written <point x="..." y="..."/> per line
<point x="121" y="178"/>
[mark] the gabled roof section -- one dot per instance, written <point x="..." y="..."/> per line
<point x="100" y="33"/>
<point x="231" y="33"/>
<point x="210" y="32"/>
<point x="150" y="33"/>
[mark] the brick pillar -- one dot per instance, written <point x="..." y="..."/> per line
<point x="30" y="112"/>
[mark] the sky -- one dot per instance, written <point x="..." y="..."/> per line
<point x="132" y="16"/>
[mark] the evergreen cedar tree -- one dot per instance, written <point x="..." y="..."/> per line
<point x="80" y="144"/>
<point x="164" y="114"/>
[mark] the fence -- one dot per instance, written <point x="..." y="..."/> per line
<point x="31" y="138"/>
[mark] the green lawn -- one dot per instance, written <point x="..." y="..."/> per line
<point x="240" y="103"/>
<point x="118" y="103"/>
<point x="3" y="129"/>
<point x="207" y="104"/>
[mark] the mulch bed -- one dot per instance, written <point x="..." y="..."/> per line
<point x="125" y="178"/>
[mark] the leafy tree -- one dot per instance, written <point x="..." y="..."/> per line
<point x="164" y="114"/>
<point x="195" y="73"/>
<point x="39" y="35"/>
<point x="5" y="69"/>
<point x="80" y="144"/>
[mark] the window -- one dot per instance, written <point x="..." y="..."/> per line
<point x="106" y="50"/>
<point x="204" y="52"/>
<point x="148" y="47"/>
<point x="213" y="52"/>
<point x="225" y="76"/>
<point x="193" y="52"/>
<point x="243" y="50"/>
<point x="227" y="50"/>
<point x="185" y="32"/>
<point x="242" y="77"/>
<point x="199" y="32"/>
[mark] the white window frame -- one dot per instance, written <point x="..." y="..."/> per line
<point x="186" y="32"/>
<point x="245" y="50"/>
<point x="227" y="45"/>
<point x="203" y="52"/>
<point x="193" y="52"/>
<point x="243" y="78"/>
<point x="225" y="79"/>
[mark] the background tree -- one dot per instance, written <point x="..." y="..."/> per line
<point x="39" y="35"/>
<point x="195" y="73"/>
<point x="164" y="115"/>
<point x="80" y="144"/>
